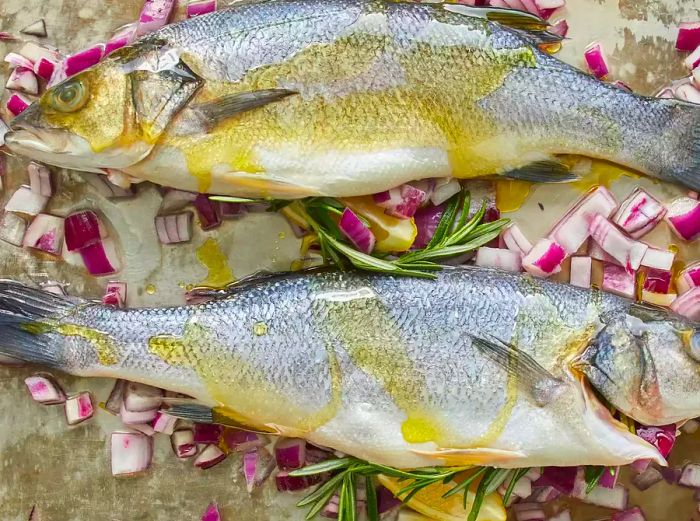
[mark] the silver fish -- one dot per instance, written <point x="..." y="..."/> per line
<point x="478" y="367"/>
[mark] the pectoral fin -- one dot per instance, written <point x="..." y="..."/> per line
<point x="215" y="111"/>
<point x="199" y="413"/>
<point x="549" y="171"/>
<point x="479" y="456"/>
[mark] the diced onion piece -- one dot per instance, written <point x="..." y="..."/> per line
<point x="595" y="60"/>
<point x="662" y="437"/>
<point x="633" y="514"/>
<point x="208" y="212"/>
<point x="658" y="281"/>
<point x="356" y="231"/>
<point x="136" y="417"/>
<point x="521" y="489"/>
<point x="402" y="201"/>
<point x="23" y="80"/>
<point x="564" y="515"/>
<point x="45" y="233"/>
<point x="543" y="494"/>
<point x="627" y="252"/>
<point x="140" y="397"/>
<point x="392" y="234"/>
<point x="200" y="7"/>
<point x="692" y="61"/>
<point x="115" y="294"/>
<point x="26" y="202"/>
<point x="238" y="440"/>
<point x="649" y="477"/>
<point x="4" y="129"/>
<point x="563" y="479"/>
<point x="210" y="456"/>
<point x="688" y="278"/>
<point x="101" y="258"/>
<point x="164" y="423"/>
<point x="288" y="483"/>
<point x="639" y="213"/>
<point x="17" y="104"/>
<point x="690" y="477"/>
<point x="597" y="253"/>
<point x="445" y="188"/>
<point x="131" y="453"/>
<point x="79" y="408"/>
<point x="122" y="37"/>
<point x="290" y="453"/>
<point x="107" y="189"/>
<point x="257" y="465"/>
<point x="572" y="230"/>
<point x="45" y="389"/>
<point x="211" y="513"/>
<point x="175" y="200"/>
<point x="427" y="220"/>
<point x="145" y="428"/>
<point x="17" y="60"/>
<point x="609" y="477"/>
<point x="690" y="426"/>
<point x="528" y="512"/>
<point x="45" y="68"/>
<point x="207" y="433"/>
<point x="689" y="93"/>
<point x="174" y="228"/>
<point x="182" y="441"/>
<point x="12" y="229"/>
<point x="154" y="15"/>
<point x="688" y="36"/>
<point x="659" y="259"/>
<point x="40" y="181"/>
<point x="234" y="210"/>
<point x="615" y="498"/>
<point x="581" y="272"/>
<point x="618" y="280"/>
<point x="515" y="240"/>
<point x="684" y="218"/>
<point x="34" y="52"/>
<point x="560" y="28"/>
<point x="82" y="60"/>
<point x="497" y="258"/>
<point x="116" y="397"/>
<point x="544" y="259"/>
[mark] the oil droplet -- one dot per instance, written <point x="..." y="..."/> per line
<point x="260" y="329"/>
<point x="511" y="194"/>
<point x="181" y="285"/>
<point x="211" y="257"/>
<point x="282" y="235"/>
<point x="151" y="289"/>
<point x="601" y="173"/>
<point x="189" y="287"/>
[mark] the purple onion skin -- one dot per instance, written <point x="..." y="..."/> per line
<point x="562" y="479"/>
<point x="386" y="501"/>
<point x="663" y="437"/>
<point x="287" y="483"/>
<point x="290" y="454"/>
<point x="207" y="433"/>
<point x="426" y="220"/>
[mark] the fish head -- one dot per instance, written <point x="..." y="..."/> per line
<point x="107" y="117"/>
<point x="646" y="365"/>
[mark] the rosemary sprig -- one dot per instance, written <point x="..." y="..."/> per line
<point x="349" y="472"/>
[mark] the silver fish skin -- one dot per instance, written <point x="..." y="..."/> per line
<point x="361" y="117"/>
<point x="386" y="369"/>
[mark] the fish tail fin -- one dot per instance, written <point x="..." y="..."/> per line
<point x="679" y="145"/>
<point x="23" y="313"/>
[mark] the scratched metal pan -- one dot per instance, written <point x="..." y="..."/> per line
<point x="65" y="471"/>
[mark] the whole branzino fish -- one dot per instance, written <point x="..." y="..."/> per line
<point x="478" y="367"/>
<point x="293" y="98"/>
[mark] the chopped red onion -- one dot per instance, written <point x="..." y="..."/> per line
<point x="40" y="181"/>
<point x="650" y="477"/>
<point x="562" y="479"/>
<point x="402" y="201"/>
<point x="107" y="189"/>
<point x="639" y="213"/>
<point x="37" y="28"/>
<point x="256" y="465"/>
<point x="7" y="37"/>
<point x="521" y="489"/>
<point x="176" y="200"/>
<point x="615" y="498"/>
<point x="84" y="59"/>
<point x="101" y="258"/>
<point x="690" y="426"/>
<point x="662" y="437"/>
<point x="426" y="220"/>
<point x="140" y="397"/>
<point x="208" y="212"/>
<point x="657" y="281"/>
<point x="144" y="428"/>
<point x="131" y="453"/>
<point x="618" y="280"/>
<point x="34" y="52"/>
<point x="26" y="202"/>
<point x="609" y="477"/>
<point x="182" y="441"/>
<point x="164" y="423"/>
<point x="690" y="477"/>
<point x="671" y="475"/>
<point x="688" y="92"/>
<point x="212" y="513"/>
<point x="290" y="453"/>
<point x="560" y="28"/>
<point x="633" y="514"/>
<point x="116" y="397"/>
<point x="45" y="390"/>
<point x="688" y="304"/>
<point x="210" y="456"/>
<point x="688" y="278"/>
<point x="543" y="494"/>
<point x="4" y="129"/>
<point x="207" y="433"/>
<point x="136" y="417"/>
<point x="115" y="294"/>
<point x="239" y="440"/>
<point x="17" y="60"/>
<point x="356" y="231"/>
<point x="595" y="60"/>
<point x="528" y="512"/>
<point x="497" y="258"/>
<point x="692" y="61"/>
<point x="580" y="273"/>
<point x="684" y="218"/>
<point x="122" y="37"/>
<point x="659" y="259"/>
<point x="45" y="233"/>
<point x="17" y="104"/>
<point x="288" y="483"/>
<point x="688" y="36"/>
<point x="237" y="210"/>
<point x="174" y="228"/>
<point x="23" y="80"/>
<point x="12" y="229"/>
<point x="445" y="188"/>
<point x="544" y="259"/>
<point x="625" y="251"/>
<point x="572" y="230"/>
<point x="200" y="7"/>
<point x="79" y="408"/>
<point x="534" y="473"/>
<point x="154" y="15"/>
<point x="515" y="240"/>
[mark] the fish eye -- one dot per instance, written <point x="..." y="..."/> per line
<point x="69" y="96"/>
